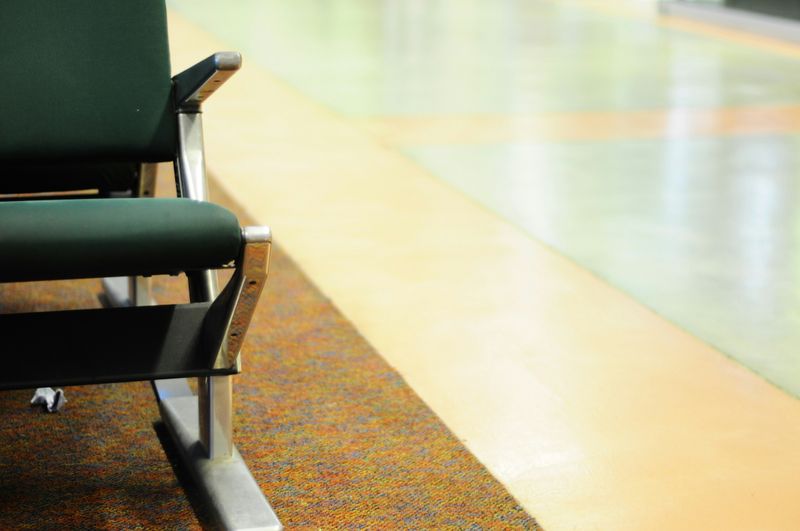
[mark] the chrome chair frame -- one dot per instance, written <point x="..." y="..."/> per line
<point x="202" y="425"/>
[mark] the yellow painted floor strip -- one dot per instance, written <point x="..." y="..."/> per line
<point x="606" y="125"/>
<point x="592" y="410"/>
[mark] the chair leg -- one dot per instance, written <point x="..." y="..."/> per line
<point x="215" y="403"/>
<point x="127" y="291"/>
<point x="229" y="487"/>
<point x="215" y="393"/>
<point x="201" y="426"/>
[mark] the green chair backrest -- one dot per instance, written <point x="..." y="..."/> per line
<point x="85" y="80"/>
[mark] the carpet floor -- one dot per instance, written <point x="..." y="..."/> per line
<point x="332" y="434"/>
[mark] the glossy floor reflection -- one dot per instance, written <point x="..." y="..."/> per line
<point x="700" y="229"/>
<point x="498" y="193"/>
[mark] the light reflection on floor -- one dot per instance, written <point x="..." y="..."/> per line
<point x="659" y="156"/>
<point x="700" y="229"/>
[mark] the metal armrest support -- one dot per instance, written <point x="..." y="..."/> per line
<point x="233" y="309"/>
<point x="195" y="84"/>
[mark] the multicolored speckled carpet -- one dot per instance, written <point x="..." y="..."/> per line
<point x="333" y="435"/>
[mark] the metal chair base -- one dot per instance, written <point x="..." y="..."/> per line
<point x="235" y="497"/>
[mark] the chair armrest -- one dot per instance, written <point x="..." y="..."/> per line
<point x="195" y="84"/>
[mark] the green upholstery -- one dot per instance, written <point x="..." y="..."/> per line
<point x="85" y="80"/>
<point x="81" y="238"/>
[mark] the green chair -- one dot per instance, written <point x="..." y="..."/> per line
<point x="88" y="106"/>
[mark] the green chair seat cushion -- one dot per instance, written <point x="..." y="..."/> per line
<point x="85" y="80"/>
<point x="84" y="238"/>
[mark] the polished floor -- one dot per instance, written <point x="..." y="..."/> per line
<point x="568" y="224"/>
